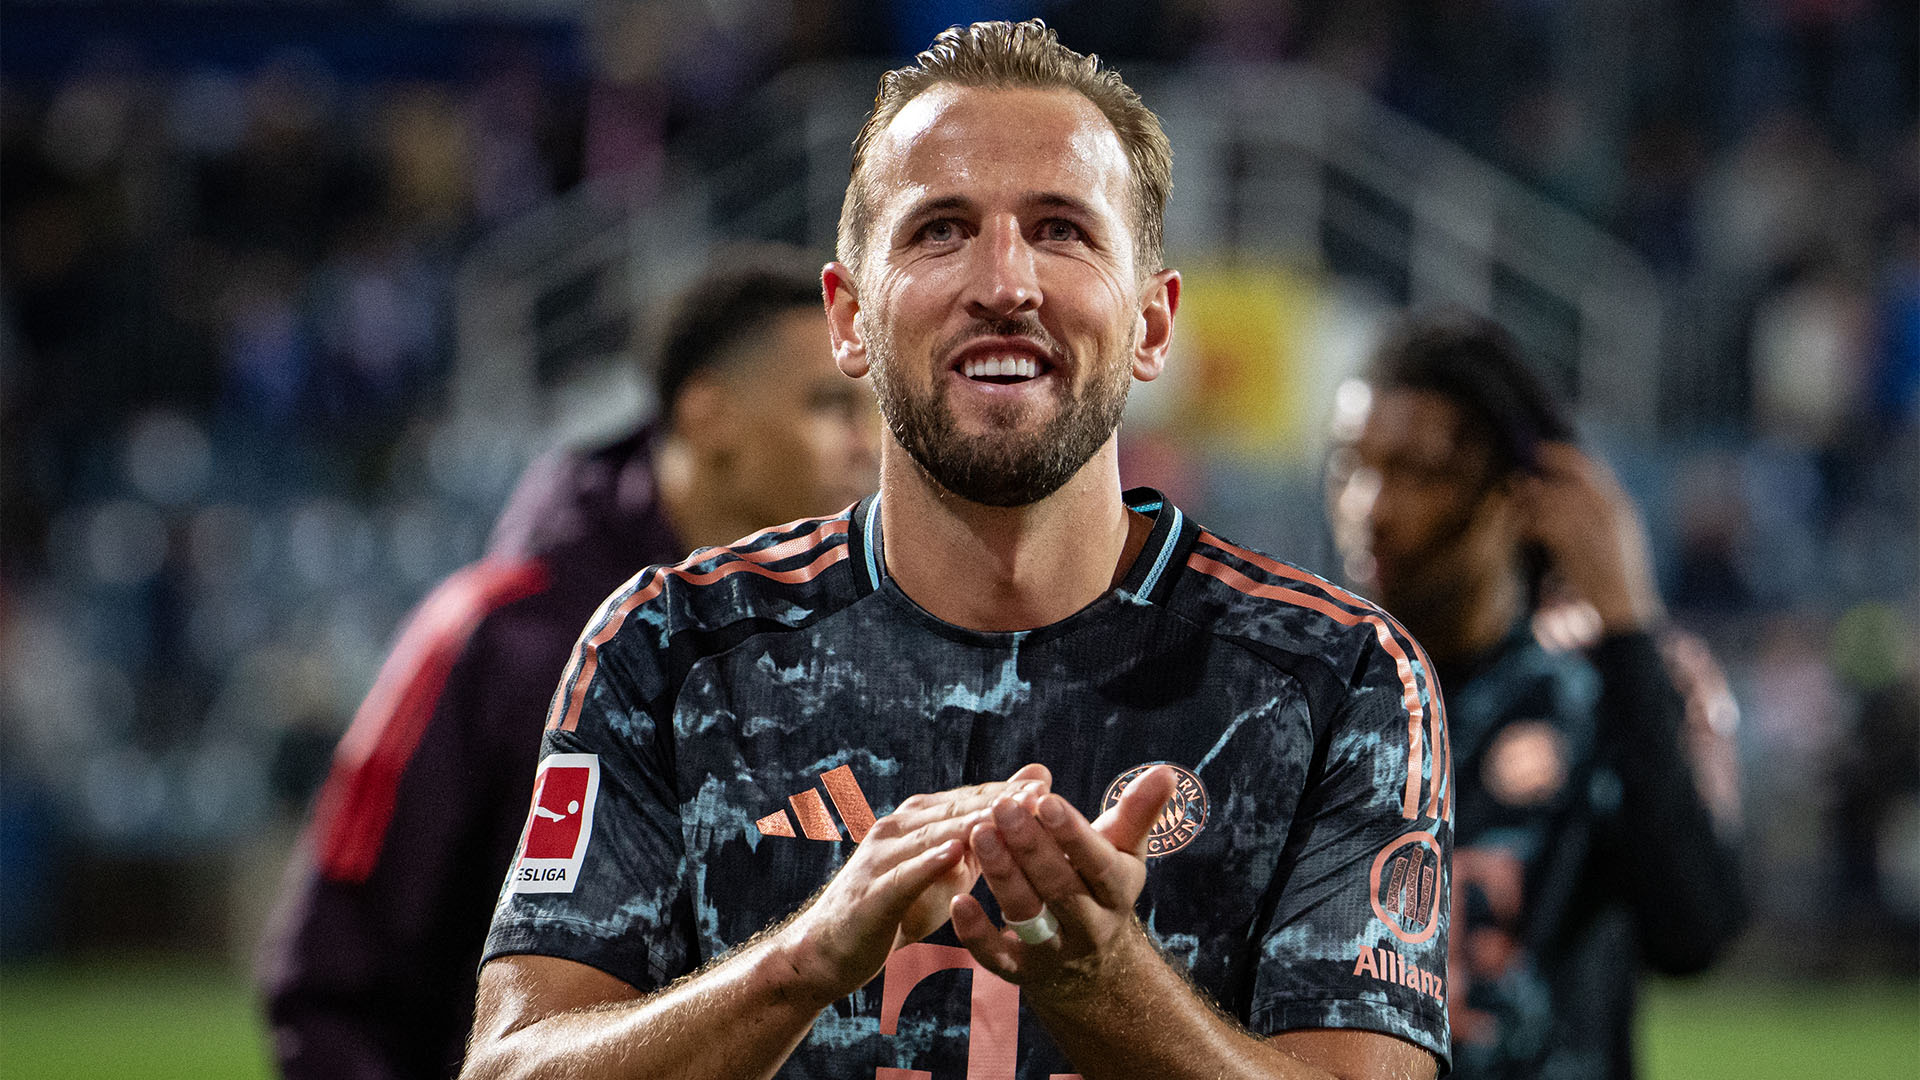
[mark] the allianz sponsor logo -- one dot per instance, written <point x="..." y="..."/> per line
<point x="1389" y="966"/>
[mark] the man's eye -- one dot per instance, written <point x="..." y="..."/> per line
<point x="939" y="232"/>
<point x="1060" y="231"/>
<point x="1421" y="474"/>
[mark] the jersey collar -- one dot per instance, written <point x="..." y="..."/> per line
<point x="1149" y="578"/>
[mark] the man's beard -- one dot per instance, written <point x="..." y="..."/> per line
<point x="1003" y="467"/>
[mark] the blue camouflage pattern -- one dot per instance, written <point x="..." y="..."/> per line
<point x="1314" y="894"/>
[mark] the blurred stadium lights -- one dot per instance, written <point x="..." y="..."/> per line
<point x="516" y="9"/>
<point x="124" y="542"/>
<point x="168" y="457"/>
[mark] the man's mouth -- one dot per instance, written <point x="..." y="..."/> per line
<point x="1001" y="370"/>
<point x="1003" y="360"/>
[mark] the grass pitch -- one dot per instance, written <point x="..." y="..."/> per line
<point x="150" y="1021"/>
<point x="168" y="1020"/>
<point x="1712" y="1029"/>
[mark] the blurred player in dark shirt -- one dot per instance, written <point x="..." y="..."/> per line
<point x="369" y="969"/>
<point x="1594" y="816"/>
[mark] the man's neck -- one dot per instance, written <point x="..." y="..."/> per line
<point x="1472" y="617"/>
<point x="1007" y="568"/>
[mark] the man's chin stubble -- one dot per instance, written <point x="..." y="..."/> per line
<point x="1010" y="469"/>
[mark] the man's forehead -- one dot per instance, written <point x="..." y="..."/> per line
<point x="952" y="134"/>
<point x="1418" y="422"/>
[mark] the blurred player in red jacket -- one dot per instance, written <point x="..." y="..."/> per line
<point x="369" y="967"/>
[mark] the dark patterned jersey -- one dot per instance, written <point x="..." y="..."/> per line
<point x="1586" y="854"/>
<point x="731" y="727"/>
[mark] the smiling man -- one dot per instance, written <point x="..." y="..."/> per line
<point x="1104" y="794"/>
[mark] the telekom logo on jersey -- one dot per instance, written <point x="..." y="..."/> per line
<point x="555" y="842"/>
<point x="993" y="1023"/>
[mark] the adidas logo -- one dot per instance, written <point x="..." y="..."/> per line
<point x="816" y="822"/>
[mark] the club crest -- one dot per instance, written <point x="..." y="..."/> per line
<point x="1182" y="819"/>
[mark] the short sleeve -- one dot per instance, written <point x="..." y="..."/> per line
<point x="599" y="875"/>
<point x="1358" y="937"/>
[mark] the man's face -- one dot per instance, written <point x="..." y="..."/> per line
<point x="998" y="306"/>
<point x="1412" y="501"/>
<point x="802" y="439"/>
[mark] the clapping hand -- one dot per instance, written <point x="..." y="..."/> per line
<point x="1066" y="885"/>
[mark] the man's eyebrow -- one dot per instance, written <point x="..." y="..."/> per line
<point x="1054" y="200"/>
<point x="936" y="206"/>
<point x="1033" y="200"/>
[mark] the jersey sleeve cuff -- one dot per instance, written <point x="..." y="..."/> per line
<point x="565" y="942"/>
<point x="1348" y="1014"/>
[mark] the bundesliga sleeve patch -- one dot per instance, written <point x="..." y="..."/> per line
<point x="555" y="840"/>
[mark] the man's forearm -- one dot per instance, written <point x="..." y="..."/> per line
<point x="738" y="1019"/>
<point x="1097" y="981"/>
<point x="1141" y="1018"/>
<point x="1684" y="879"/>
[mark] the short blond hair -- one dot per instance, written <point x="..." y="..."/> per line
<point x="1026" y="55"/>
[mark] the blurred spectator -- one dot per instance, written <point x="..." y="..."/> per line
<point x="1780" y="192"/>
<point x="413" y="831"/>
<point x="379" y="301"/>
<point x="504" y="123"/>
<point x="1809" y="354"/>
<point x="1838" y="59"/>
<point x="267" y="355"/>
<point x="425" y="149"/>
<point x="1712" y="564"/>
<point x="294" y="173"/>
<point x="1896" y="367"/>
<point x="1875" y="820"/>
<point x="1594" y="837"/>
<point x="1664" y="161"/>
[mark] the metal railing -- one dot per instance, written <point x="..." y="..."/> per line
<point x="1279" y="163"/>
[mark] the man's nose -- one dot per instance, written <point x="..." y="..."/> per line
<point x="1003" y="281"/>
<point x="1357" y="498"/>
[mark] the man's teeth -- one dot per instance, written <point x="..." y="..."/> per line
<point x="988" y="367"/>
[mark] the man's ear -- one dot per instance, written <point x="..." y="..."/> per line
<point x="1506" y="504"/>
<point x="703" y="414"/>
<point x="843" y="322"/>
<point x="1158" y="304"/>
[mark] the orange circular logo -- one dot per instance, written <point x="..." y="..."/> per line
<point x="1407" y="879"/>
<point x="1183" y="817"/>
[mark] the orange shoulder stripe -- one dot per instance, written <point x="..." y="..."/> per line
<point x="564" y="713"/>
<point x="1440" y="794"/>
<point x="1384" y="632"/>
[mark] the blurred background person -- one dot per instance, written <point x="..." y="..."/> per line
<point x="369" y="967"/>
<point x="1589" y="848"/>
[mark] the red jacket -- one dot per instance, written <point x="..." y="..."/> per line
<point x="370" y="963"/>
